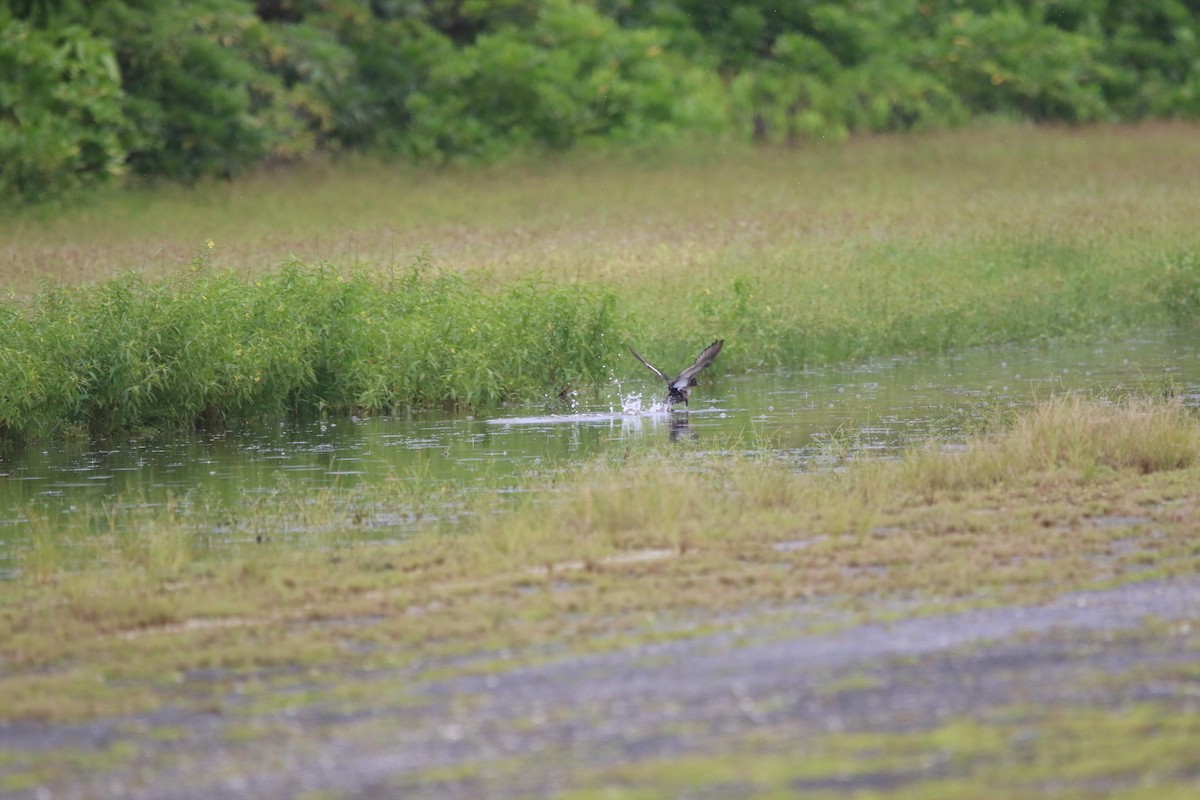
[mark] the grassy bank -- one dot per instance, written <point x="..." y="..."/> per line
<point x="1073" y="495"/>
<point x="888" y="245"/>
<point x="211" y="347"/>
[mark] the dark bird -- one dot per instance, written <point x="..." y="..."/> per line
<point x="679" y="387"/>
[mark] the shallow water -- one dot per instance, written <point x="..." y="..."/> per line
<point x="870" y="409"/>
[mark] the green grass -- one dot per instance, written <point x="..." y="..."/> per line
<point x="211" y="347"/>
<point x="535" y="275"/>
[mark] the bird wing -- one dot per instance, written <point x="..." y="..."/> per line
<point x="703" y="360"/>
<point x="650" y="366"/>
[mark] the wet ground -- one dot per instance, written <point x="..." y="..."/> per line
<point x="525" y="728"/>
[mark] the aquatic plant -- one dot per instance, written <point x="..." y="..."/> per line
<point x="211" y="346"/>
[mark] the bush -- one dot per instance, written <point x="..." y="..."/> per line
<point x="1153" y="50"/>
<point x="1010" y="63"/>
<point x="573" y="76"/>
<point x="62" y="126"/>
<point x="215" y="90"/>
<point x="214" y="87"/>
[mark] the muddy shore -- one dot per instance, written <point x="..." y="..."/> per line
<point x="539" y="729"/>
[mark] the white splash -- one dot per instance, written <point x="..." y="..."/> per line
<point x="633" y="405"/>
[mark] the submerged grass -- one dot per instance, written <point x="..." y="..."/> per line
<point x="885" y="245"/>
<point x="621" y="549"/>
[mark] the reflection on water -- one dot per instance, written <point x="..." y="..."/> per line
<point x="873" y="408"/>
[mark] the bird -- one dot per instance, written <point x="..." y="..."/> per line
<point x="679" y="387"/>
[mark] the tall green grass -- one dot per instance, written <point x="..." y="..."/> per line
<point x="922" y="298"/>
<point x="212" y="346"/>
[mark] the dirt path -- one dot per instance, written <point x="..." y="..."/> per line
<point x="535" y="730"/>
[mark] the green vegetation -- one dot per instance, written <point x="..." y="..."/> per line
<point x="533" y="277"/>
<point x="221" y="86"/>
<point x="61" y="118"/>
<point x="210" y="347"/>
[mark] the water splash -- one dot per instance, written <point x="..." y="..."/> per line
<point x="633" y="405"/>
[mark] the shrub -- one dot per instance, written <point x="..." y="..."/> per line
<point x="778" y="103"/>
<point x="214" y="90"/>
<point x="62" y="127"/>
<point x="1153" y="50"/>
<point x="573" y="76"/>
<point x="213" y="87"/>
<point x="1009" y="62"/>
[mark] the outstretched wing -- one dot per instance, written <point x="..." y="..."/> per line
<point x="703" y="360"/>
<point x="650" y="366"/>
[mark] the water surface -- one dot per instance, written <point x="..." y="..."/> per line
<point x="872" y="409"/>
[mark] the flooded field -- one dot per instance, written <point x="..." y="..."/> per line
<point x="808" y="417"/>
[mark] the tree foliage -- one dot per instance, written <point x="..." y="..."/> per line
<point x="213" y="87"/>
<point x="62" y="120"/>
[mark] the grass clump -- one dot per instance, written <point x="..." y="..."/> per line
<point x="211" y="346"/>
<point x="1068" y="435"/>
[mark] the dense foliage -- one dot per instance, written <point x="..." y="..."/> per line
<point x="62" y="123"/>
<point x="211" y="87"/>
